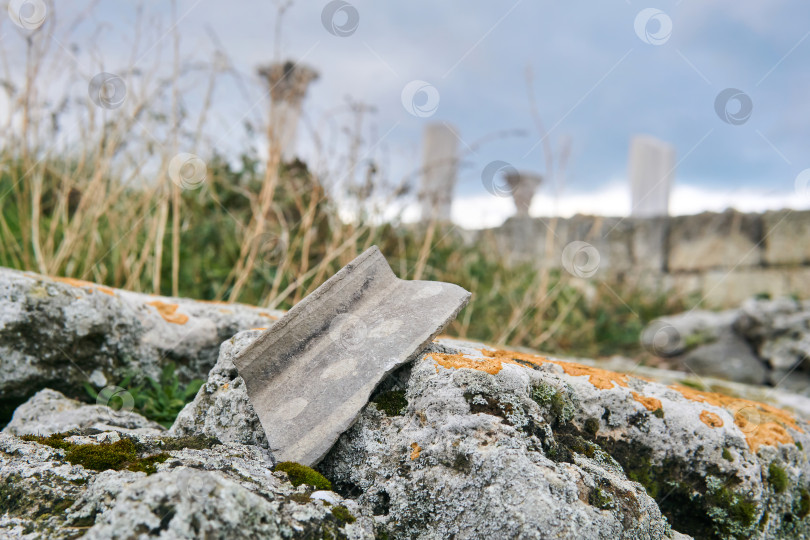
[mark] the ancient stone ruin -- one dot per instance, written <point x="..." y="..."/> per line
<point x="464" y="440"/>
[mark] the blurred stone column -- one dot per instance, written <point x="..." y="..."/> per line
<point x="288" y="83"/>
<point x="522" y="186"/>
<point x="651" y="169"/>
<point x="439" y="171"/>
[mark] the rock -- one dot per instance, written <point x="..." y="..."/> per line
<point x="309" y="375"/>
<point x="729" y="357"/>
<point x="674" y="335"/>
<point x="780" y="330"/>
<point x="60" y="333"/>
<point x="222" y="491"/>
<point x="505" y="444"/>
<point x="221" y="408"/>
<point x="51" y="412"/>
<point x="796" y="404"/>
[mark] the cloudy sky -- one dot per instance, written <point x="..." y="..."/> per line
<point x="603" y="71"/>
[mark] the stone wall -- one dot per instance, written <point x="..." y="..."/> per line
<point x="724" y="258"/>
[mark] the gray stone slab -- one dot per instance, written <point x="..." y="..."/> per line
<point x="311" y="373"/>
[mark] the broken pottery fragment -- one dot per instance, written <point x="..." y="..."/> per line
<point x="310" y="374"/>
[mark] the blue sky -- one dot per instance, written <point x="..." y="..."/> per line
<point x="596" y="81"/>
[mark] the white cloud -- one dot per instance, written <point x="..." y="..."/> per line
<point x="485" y="211"/>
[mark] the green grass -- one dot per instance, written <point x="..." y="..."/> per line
<point x="160" y="401"/>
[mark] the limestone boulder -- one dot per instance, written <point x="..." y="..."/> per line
<point x="471" y="441"/>
<point x="61" y="333"/>
<point x="51" y="412"/>
<point x="202" y="489"/>
<point x="221" y="408"/>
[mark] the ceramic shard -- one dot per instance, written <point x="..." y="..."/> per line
<point x="310" y="374"/>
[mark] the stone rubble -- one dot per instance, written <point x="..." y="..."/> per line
<point x="467" y="441"/>
<point x="762" y="342"/>
<point x="581" y="438"/>
<point x="60" y="333"/>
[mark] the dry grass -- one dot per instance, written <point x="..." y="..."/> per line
<point x="87" y="192"/>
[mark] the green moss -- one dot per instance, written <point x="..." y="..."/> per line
<point x="703" y="507"/>
<point x="600" y="499"/>
<point x="343" y="515"/>
<point x="659" y="412"/>
<point x="122" y="454"/>
<point x="799" y="446"/>
<point x="103" y="457"/>
<point x="592" y="426"/>
<point x="195" y="442"/>
<point x="62" y="505"/>
<point x="555" y="402"/>
<point x="777" y="477"/>
<point x="148" y="464"/>
<point x="301" y="474"/>
<point x="11" y="495"/>
<point x="54" y="441"/>
<point x="391" y="403"/>
<point x="802" y="506"/>
<point x="300" y="498"/>
<point x="727" y="455"/>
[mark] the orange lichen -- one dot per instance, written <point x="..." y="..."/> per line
<point x="85" y="285"/>
<point x="168" y="312"/>
<point x="761" y="424"/>
<point x="651" y="403"/>
<point x="415" y="451"/>
<point x="267" y="315"/>
<point x="494" y="360"/>
<point x="259" y="329"/>
<point x="457" y="361"/>
<point x="710" y="419"/>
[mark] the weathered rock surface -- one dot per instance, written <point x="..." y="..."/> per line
<point x="60" y="333"/>
<point x="219" y="491"/>
<point x="765" y="341"/>
<point x="221" y="408"/>
<point x="780" y="331"/>
<point x="51" y="412"/>
<point x="502" y="444"/>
